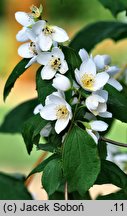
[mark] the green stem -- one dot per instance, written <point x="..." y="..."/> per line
<point x="113" y="142"/>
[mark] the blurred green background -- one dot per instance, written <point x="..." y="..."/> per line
<point x="71" y="15"/>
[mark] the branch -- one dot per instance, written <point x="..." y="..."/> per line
<point x="113" y="142"/>
<point x="30" y="179"/>
<point x="66" y="191"/>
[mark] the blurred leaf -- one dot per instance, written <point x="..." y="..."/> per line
<point x="117" y="103"/>
<point x="80" y="160"/>
<point x="12" y="188"/>
<point x="119" y="195"/>
<point x="111" y="174"/>
<point x="115" y="6"/>
<point x="94" y="33"/>
<point x="42" y="165"/>
<point x="18" y="70"/>
<point x="15" y="119"/>
<point x="44" y="87"/>
<point x="52" y="176"/>
<point x="31" y="131"/>
<point x="102" y="149"/>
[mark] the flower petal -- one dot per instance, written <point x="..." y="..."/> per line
<point x="24" y="18"/>
<point x="64" y="67"/>
<point x="88" y="67"/>
<point x="47" y="72"/>
<point x="61" y="82"/>
<point x="99" y="61"/>
<point x="93" y="135"/>
<point x="115" y="84"/>
<point x="113" y="70"/>
<point x="45" y="42"/>
<point x="84" y="55"/>
<point x="105" y="115"/>
<point x="56" y="52"/>
<point x="44" y="58"/>
<point x="101" y="80"/>
<point x="92" y="102"/>
<point x="48" y="112"/>
<point x="46" y="130"/>
<point x="24" y="51"/>
<point x="98" y="125"/>
<point x="38" y="27"/>
<point x="56" y="100"/>
<point x="103" y="94"/>
<point x="59" y="34"/>
<point x="61" y="124"/>
<point x="37" y="109"/>
<point x="77" y="76"/>
<point x="32" y="61"/>
<point x="22" y="36"/>
<point x="30" y="34"/>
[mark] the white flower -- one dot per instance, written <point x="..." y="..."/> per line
<point x="37" y="109"/>
<point x="56" y="108"/>
<point x="47" y="34"/>
<point x="88" y="77"/>
<point x="53" y="61"/>
<point x="102" y="62"/>
<point x="61" y="82"/>
<point x="96" y="103"/>
<point x="94" y="127"/>
<point x="26" y="20"/>
<point x="29" y="50"/>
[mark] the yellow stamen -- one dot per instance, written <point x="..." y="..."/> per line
<point x="88" y="81"/>
<point x="48" y="30"/>
<point x="32" y="48"/>
<point x="55" y="63"/>
<point x="62" y="112"/>
<point x="35" y="11"/>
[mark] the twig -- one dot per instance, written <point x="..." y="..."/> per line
<point x="30" y="179"/>
<point x="113" y="142"/>
<point x="66" y="191"/>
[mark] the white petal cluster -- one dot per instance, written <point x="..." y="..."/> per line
<point x="53" y="62"/>
<point x="43" y="37"/>
<point x="56" y="108"/>
<point x="41" y="45"/>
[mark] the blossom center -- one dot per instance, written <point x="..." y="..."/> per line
<point x="62" y="112"/>
<point x="35" y="11"/>
<point x="88" y="81"/>
<point x="48" y="30"/>
<point x="56" y="63"/>
<point x="106" y="67"/>
<point x="33" y="48"/>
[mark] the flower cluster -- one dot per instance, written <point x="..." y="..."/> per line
<point x="44" y="47"/>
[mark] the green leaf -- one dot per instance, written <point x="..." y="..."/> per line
<point x="52" y="176"/>
<point x="119" y="195"/>
<point x="81" y="163"/>
<point x="54" y="142"/>
<point x="15" y="119"/>
<point x="13" y="188"/>
<point x="72" y="58"/>
<point x="117" y="103"/>
<point x="44" y="87"/>
<point x="31" y="131"/>
<point x="18" y="71"/>
<point x="111" y="174"/>
<point x="94" y="33"/>
<point x="115" y="6"/>
<point x="102" y="149"/>
<point x="42" y="165"/>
